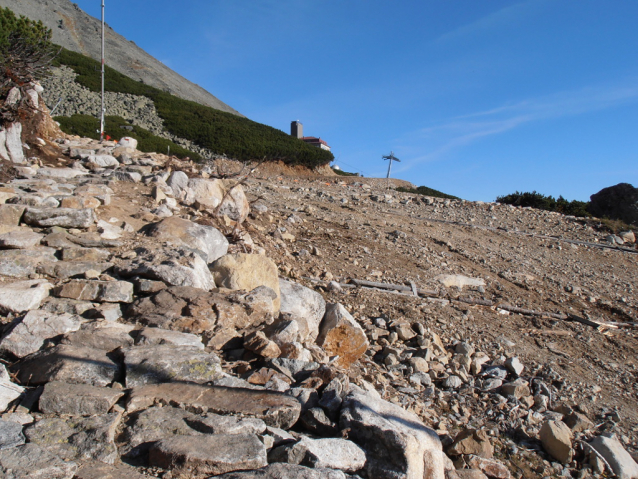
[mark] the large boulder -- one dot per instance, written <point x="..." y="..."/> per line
<point x="619" y="202"/>
<point x="556" y="438"/>
<point x="206" y="240"/>
<point x="304" y="306"/>
<point x="340" y="335"/>
<point x="246" y="272"/>
<point x="397" y="443"/>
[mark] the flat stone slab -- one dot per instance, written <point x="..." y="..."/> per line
<point x="274" y="408"/>
<point x="167" y="363"/>
<point x="209" y="454"/>
<point x="285" y="471"/>
<point x="68" y="269"/>
<point x="72" y="364"/>
<point x="106" y="337"/>
<point x="20" y="239"/>
<point x="36" y="327"/>
<point x="158" y="336"/>
<point x="34" y="462"/>
<point x="22" y="263"/>
<point x="76" y="439"/>
<point x="98" y="470"/>
<point x="63" y="217"/>
<point x="77" y="399"/>
<point x="101" y="291"/>
<point x="23" y="295"/>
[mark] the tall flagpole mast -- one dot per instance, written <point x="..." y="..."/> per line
<point x="102" y="110"/>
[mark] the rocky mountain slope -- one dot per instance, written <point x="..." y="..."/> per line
<point x="166" y="319"/>
<point x="75" y="30"/>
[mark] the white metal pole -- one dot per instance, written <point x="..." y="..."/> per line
<point x="103" y="109"/>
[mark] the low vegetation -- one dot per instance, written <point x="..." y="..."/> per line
<point x="215" y="130"/>
<point x="425" y="191"/>
<point x="547" y="203"/>
<point x="343" y="173"/>
<point x="89" y="126"/>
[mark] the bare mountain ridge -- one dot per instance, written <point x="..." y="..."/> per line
<point x="77" y="31"/>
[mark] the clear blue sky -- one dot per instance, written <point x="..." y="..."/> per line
<point x="478" y="98"/>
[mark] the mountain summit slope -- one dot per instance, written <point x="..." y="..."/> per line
<point x="77" y="31"/>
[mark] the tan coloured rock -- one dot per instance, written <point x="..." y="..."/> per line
<point x="258" y="343"/>
<point x="471" y="441"/>
<point x="246" y="272"/>
<point x="556" y="438"/>
<point x="209" y="194"/>
<point x="340" y="335"/>
<point x="79" y="202"/>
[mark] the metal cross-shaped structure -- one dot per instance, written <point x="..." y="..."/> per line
<point x="392" y="158"/>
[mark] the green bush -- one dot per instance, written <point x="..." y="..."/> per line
<point x="26" y="52"/>
<point x="424" y="190"/>
<point x="89" y="126"/>
<point x="547" y="203"/>
<point x="215" y="130"/>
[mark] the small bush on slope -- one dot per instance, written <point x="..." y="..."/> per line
<point x="425" y="191"/>
<point x="548" y="203"/>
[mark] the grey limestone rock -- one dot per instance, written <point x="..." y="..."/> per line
<point x="64" y="217"/>
<point x="31" y="461"/>
<point x="20" y="239"/>
<point x="77" y="439"/>
<point x="10" y="434"/>
<point x="25" y="262"/>
<point x="166" y="363"/>
<point x="36" y="327"/>
<point x="158" y="336"/>
<point x="206" y="240"/>
<point x="176" y="267"/>
<point x="101" y="291"/>
<point x="333" y="453"/>
<point x="73" y="364"/>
